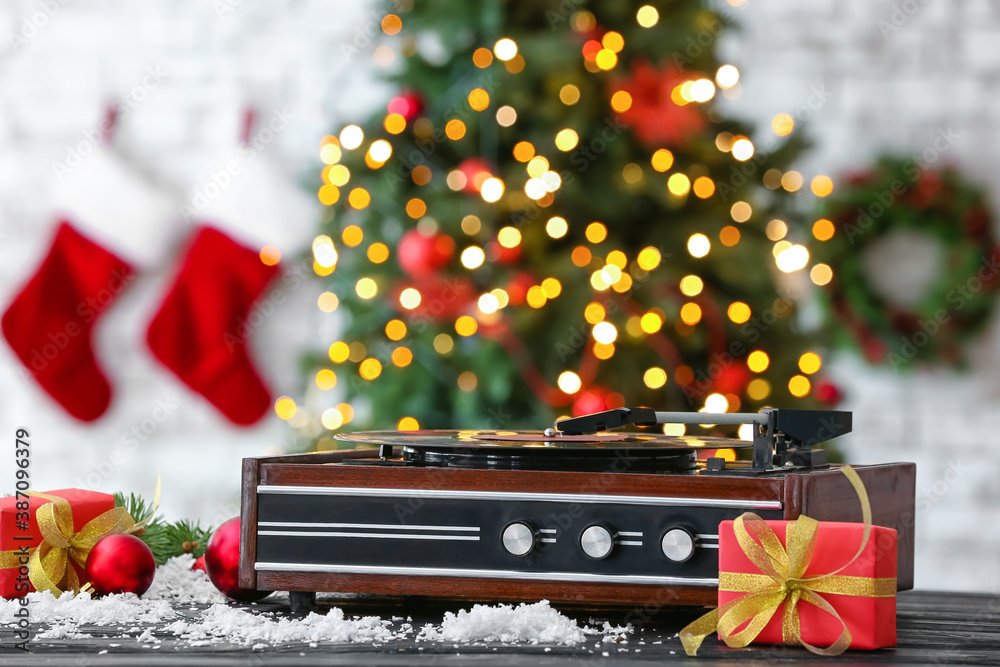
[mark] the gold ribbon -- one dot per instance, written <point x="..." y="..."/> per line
<point x="48" y="563"/>
<point x="782" y="581"/>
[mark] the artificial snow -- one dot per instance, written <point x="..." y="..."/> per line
<point x="156" y="616"/>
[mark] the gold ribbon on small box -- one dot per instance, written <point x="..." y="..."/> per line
<point x="782" y="580"/>
<point x="48" y="563"/>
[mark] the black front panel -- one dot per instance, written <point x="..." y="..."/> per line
<point x="465" y="534"/>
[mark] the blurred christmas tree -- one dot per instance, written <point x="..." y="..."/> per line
<point x="552" y="217"/>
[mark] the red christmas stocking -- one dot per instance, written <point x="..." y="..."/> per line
<point x="200" y="330"/>
<point x="50" y="322"/>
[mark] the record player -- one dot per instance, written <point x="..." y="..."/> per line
<point x="584" y="512"/>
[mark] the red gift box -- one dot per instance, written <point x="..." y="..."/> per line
<point x="870" y="618"/>
<point x="86" y="505"/>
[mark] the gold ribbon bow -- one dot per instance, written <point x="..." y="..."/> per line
<point x="782" y="580"/>
<point x="48" y="563"/>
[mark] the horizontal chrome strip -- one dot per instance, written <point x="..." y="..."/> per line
<point x="547" y="530"/>
<point x="630" y="543"/>
<point x="709" y="546"/>
<point x="390" y="536"/>
<point x="706" y="536"/>
<point x="549" y="540"/>
<point x="518" y="495"/>
<point x="629" y="534"/>
<point x="485" y="574"/>
<point x="385" y="526"/>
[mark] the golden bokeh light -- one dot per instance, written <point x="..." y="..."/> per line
<point x="580" y="256"/>
<point x="821" y="185"/>
<point x="466" y="326"/>
<point x="443" y="343"/>
<point x="799" y="386"/>
<point x="328" y="302"/>
<point x="662" y="160"/>
<point x="567" y="139"/>
<point x="776" y="230"/>
<point x="621" y="101"/>
<point x="359" y="198"/>
<point x="378" y="253"/>
<point x="479" y="99"/>
<point x="473" y="257"/>
<point x="326" y="379"/>
<point x="791" y="180"/>
<point x="569" y="382"/>
<point x="703" y="187"/>
<point x="698" y="245"/>
<point x="454" y="129"/>
<point x="467" y="381"/>
<point x="366" y="288"/>
<point x="408" y="424"/>
<point x="556" y="227"/>
<point x="394" y="123"/>
<point x="650" y="323"/>
<point x="505" y="49"/>
<point x="594" y="312"/>
<point x="823" y="229"/>
<point x="648" y="258"/>
<point x="596" y="232"/>
<point x="690" y="313"/>
<point x="524" y="151"/>
<point x="395" y="330"/>
<point x="270" y="255"/>
<point x="285" y="408"/>
<point x="759" y="389"/>
<point x="416" y="208"/>
<point x="370" y="368"/>
<point x="729" y="236"/>
<point x="647" y="16"/>
<point x="409" y="298"/>
<point x="691" y="285"/>
<point x="569" y="94"/>
<point x="339" y="352"/>
<point x="402" y="357"/>
<point x="809" y="363"/>
<point x="482" y="57"/>
<point x="740" y="211"/>
<point x="738" y="312"/>
<point x="758" y="361"/>
<point x="654" y="377"/>
<point x="821" y="274"/>
<point x="678" y="184"/>
<point x="782" y="124"/>
<point x="391" y="24"/>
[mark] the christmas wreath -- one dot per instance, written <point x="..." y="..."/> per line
<point x="909" y="262"/>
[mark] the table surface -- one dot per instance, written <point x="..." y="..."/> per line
<point x="933" y="629"/>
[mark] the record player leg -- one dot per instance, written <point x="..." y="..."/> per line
<point x="302" y="602"/>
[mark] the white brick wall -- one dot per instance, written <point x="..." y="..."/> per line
<point x="938" y="70"/>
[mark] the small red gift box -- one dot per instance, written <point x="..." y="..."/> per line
<point x="16" y="531"/>
<point x="869" y="613"/>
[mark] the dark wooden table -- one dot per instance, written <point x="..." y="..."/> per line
<point x="933" y="629"/>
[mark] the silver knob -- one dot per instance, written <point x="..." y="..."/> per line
<point x="518" y="538"/>
<point x="597" y="541"/>
<point x="677" y="545"/>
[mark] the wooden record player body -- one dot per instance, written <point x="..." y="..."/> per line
<point x="825" y="495"/>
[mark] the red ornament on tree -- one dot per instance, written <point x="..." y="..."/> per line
<point x="590" y="401"/>
<point x="828" y="393"/>
<point x="421" y="255"/>
<point x="733" y="379"/>
<point x="653" y="116"/>
<point x="120" y="564"/>
<point x="476" y="170"/>
<point x="408" y="104"/>
<point x="222" y="561"/>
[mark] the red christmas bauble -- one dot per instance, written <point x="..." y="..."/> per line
<point x="590" y="401"/>
<point x="199" y="564"/>
<point x="408" y="104"/>
<point x="518" y="287"/>
<point x="120" y="564"/>
<point x="733" y="379"/>
<point x="421" y="255"/>
<point x="222" y="561"/>
<point x="828" y="393"/>
<point x="476" y="170"/>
